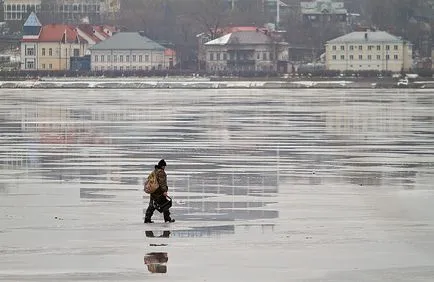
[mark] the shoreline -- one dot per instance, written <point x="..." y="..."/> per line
<point x="205" y="83"/>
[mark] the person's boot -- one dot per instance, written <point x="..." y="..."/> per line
<point x="167" y="218"/>
<point x="148" y="220"/>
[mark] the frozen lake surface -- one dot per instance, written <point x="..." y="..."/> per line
<point x="268" y="185"/>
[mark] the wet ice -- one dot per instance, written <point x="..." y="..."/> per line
<point x="313" y="185"/>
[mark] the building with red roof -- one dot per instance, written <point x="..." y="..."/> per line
<point x="51" y="47"/>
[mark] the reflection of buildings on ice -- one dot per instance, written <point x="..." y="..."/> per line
<point x="374" y="149"/>
<point x="370" y="120"/>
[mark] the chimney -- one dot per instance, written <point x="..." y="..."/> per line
<point x="142" y="33"/>
<point x="366" y="36"/>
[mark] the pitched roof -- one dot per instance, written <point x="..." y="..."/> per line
<point x="127" y="41"/>
<point x="56" y="33"/>
<point x="32" y="20"/>
<point x="242" y="37"/>
<point x="372" y="37"/>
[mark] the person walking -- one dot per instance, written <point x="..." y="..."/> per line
<point x="159" y="196"/>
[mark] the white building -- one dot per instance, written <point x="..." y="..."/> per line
<point x="130" y="51"/>
<point x="16" y="10"/>
<point x="323" y="10"/>
<point x="370" y="50"/>
<point x="247" y="51"/>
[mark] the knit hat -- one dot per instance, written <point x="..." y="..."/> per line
<point x="162" y="163"/>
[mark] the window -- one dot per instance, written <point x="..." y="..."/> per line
<point x="395" y="57"/>
<point x="50" y="52"/>
<point x="378" y="57"/>
<point x="334" y="57"/>
<point x="370" y="57"/>
<point x="351" y="47"/>
<point x="264" y="56"/>
<point x="360" y="57"/>
<point x="134" y="58"/>
<point x="102" y="58"/>
<point x="43" y="66"/>
<point x="342" y="48"/>
<point x="351" y="57"/>
<point x="96" y="58"/>
<point x="370" y="47"/>
<point x="121" y="58"/>
<point x="43" y="51"/>
<point x="76" y="52"/>
<point x="50" y="66"/>
<point x="146" y="58"/>
<point x="342" y="57"/>
<point x="360" y="47"/>
<point x="387" y="47"/>
<point x="140" y="58"/>
<point x="127" y="58"/>
<point x="30" y="51"/>
<point x="387" y="57"/>
<point x="30" y="65"/>
<point x="378" y="47"/>
<point x="271" y="57"/>
<point x="395" y="47"/>
<point x="115" y="68"/>
<point x="121" y="68"/>
<point x="334" y="47"/>
<point x="258" y="56"/>
<point x="225" y="56"/>
<point x="211" y="56"/>
<point x="218" y="56"/>
<point x="108" y="58"/>
<point x="115" y="58"/>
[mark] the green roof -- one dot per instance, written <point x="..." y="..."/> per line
<point x="128" y="41"/>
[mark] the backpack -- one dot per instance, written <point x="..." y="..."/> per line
<point x="151" y="184"/>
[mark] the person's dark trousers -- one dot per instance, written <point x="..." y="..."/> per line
<point x="149" y="211"/>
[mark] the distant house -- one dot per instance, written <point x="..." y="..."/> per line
<point x="246" y="51"/>
<point x="130" y="51"/>
<point x="370" y="50"/>
<point x="319" y="11"/>
<point x="51" y="47"/>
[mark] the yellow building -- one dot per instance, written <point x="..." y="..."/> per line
<point x="370" y="50"/>
<point x="50" y="47"/>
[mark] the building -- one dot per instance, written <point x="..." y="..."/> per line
<point x="64" y="11"/>
<point x="74" y="11"/>
<point x="319" y="11"/>
<point x="51" y="47"/>
<point x="368" y="50"/>
<point x="17" y="10"/>
<point x="130" y="51"/>
<point x="247" y="51"/>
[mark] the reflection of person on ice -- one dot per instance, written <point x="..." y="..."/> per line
<point x="159" y="196"/>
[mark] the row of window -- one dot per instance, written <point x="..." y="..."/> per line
<point x="127" y="68"/>
<point x="369" y="57"/>
<point x="31" y="52"/>
<point x="217" y="56"/>
<point x="23" y="7"/>
<point x="122" y="58"/>
<point x="50" y="66"/>
<point x="360" y="47"/>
